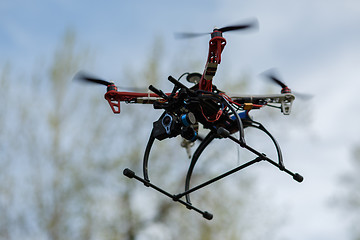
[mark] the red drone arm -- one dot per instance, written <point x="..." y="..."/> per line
<point x="114" y="98"/>
<point x="216" y="46"/>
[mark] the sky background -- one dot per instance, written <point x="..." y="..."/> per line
<point x="314" y="44"/>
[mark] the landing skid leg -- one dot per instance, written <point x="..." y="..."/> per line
<point x="211" y="136"/>
<point x="187" y="192"/>
<point x="224" y="133"/>
<point x="131" y="174"/>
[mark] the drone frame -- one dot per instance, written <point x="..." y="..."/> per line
<point x="215" y="132"/>
<point x="214" y="109"/>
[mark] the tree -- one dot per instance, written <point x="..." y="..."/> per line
<point x="6" y="196"/>
<point x="350" y="194"/>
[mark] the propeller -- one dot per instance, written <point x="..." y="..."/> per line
<point x="81" y="76"/>
<point x="273" y="76"/>
<point x="87" y="78"/>
<point x="251" y="24"/>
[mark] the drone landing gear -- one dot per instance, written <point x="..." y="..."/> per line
<point x="146" y="181"/>
<point x="222" y="133"/>
<point x="130" y="174"/>
<point x="297" y="177"/>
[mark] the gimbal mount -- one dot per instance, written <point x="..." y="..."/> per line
<point x="184" y="109"/>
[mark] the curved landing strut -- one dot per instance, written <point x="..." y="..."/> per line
<point x="219" y="133"/>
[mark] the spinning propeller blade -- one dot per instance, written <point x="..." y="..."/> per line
<point x="272" y="75"/>
<point x="251" y="25"/>
<point x="90" y="79"/>
<point x="189" y="35"/>
<point x="87" y="78"/>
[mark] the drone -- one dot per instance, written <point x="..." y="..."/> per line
<point x="186" y="108"/>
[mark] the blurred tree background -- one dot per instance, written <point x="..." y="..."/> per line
<point x="347" y="198"/>
<point x="62" y="153"/>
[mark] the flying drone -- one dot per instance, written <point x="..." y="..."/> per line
<point x="185" y="109"/>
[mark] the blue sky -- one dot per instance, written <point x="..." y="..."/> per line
<point x="315" y="45"/>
